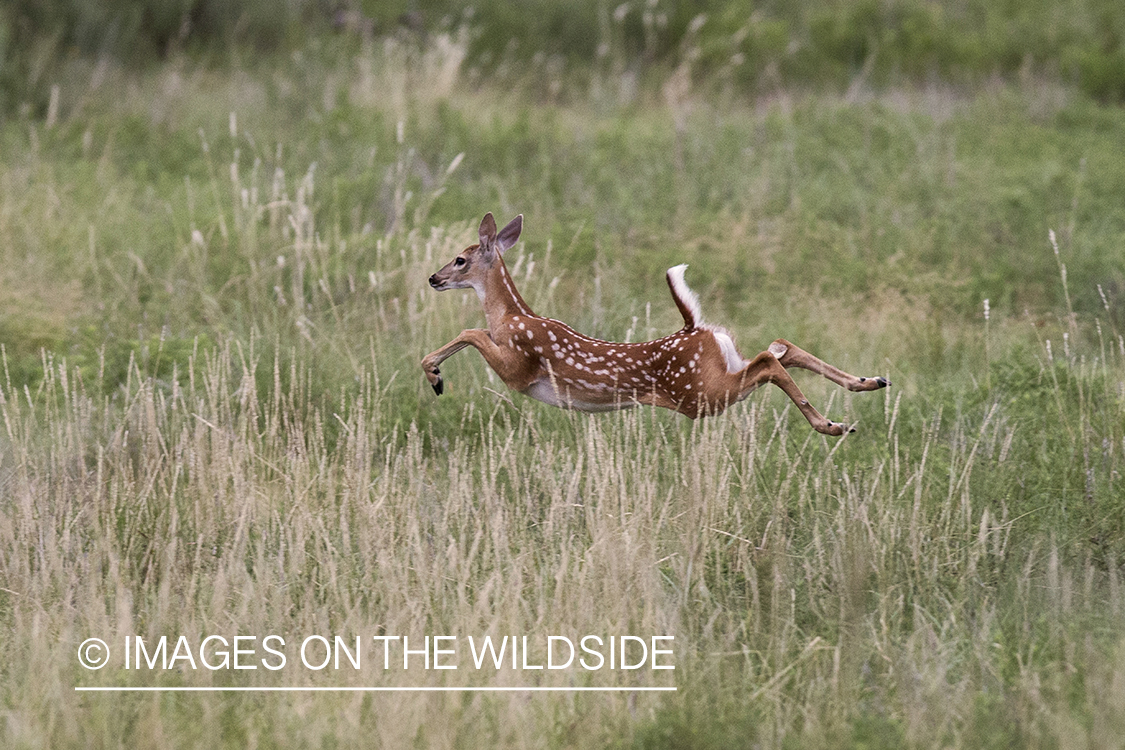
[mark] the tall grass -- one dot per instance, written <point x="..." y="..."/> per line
<point x="898" y="583"/>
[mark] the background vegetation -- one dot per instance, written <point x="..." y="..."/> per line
<point x="216" y="222"/>
<point x="750" y="48"/>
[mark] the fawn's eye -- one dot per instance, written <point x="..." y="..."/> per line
<point x="459" y="262"/>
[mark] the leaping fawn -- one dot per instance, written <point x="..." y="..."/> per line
<point x="696" y="371"/>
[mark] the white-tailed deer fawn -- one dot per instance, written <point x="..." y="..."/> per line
<point x="696" y="371"/>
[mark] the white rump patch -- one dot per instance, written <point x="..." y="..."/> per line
<point x="734" y="360"/>
<point x="684" y="293"/>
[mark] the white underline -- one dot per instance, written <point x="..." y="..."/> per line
<point x="124" y="689"/>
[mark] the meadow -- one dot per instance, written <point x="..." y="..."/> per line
<point x="213" y="303"/>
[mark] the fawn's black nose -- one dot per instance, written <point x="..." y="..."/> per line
<point x="434" y="281"/>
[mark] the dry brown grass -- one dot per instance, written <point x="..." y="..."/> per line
<point x="801" y="579"/>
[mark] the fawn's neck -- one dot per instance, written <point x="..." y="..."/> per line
<point x="500" y="297"/>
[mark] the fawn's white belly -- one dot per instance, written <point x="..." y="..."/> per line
<point x="545" y="391"/>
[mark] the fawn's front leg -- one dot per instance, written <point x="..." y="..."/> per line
<point x="511" y="364"/>
<point x="475" y="337"/>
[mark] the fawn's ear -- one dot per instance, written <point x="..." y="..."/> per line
<point x="487" y="231"/>
<point x="509" y="234"/>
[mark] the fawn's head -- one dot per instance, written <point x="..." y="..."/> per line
<point x="471" y="265"/>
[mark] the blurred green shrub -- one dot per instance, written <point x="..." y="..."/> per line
<point x="138" y="30"/>
<point x="1100" y="72"/>
<point x="37" y="35"/>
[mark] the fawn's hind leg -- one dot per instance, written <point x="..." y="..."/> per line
<point x="767" y="368"/>
<point x="793" y="356"/>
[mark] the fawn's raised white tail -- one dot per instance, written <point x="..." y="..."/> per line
<point x="696" y="371"/>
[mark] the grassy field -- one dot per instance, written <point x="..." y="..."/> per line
<point x="213" y="302"/>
